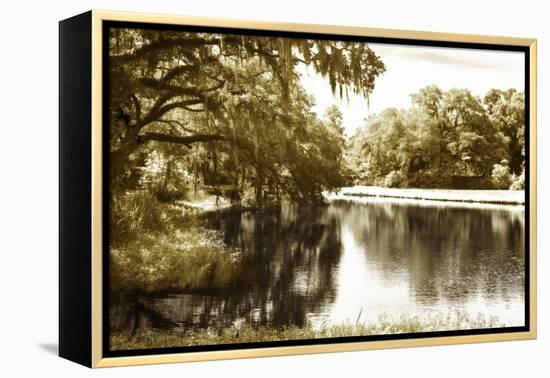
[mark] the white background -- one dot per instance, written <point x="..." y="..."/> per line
<point x="28" y="185"/>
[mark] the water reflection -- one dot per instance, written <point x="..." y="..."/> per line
<point x="418" y="258"/>
<point x="330" y="263"/>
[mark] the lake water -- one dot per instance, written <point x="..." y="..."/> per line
<point x="369" y="257"/>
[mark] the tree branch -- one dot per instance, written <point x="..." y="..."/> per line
<point x="180" y="91"/>
<point x="137" y="107"/>
<point x="158" y="110"/>
<point x="176" y="71"/>
<point x="196" y="110"/>
<point x="187" y="42"/>
<point x="185" y="140"/>
<point x="179" y="124"/>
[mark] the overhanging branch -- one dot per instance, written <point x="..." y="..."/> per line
<point x="185" y="140"/>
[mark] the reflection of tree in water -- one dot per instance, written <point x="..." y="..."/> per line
<point x="447" y="256"/>
<point x="448" y="253"/>
<point x="288" y="271"/>
<point x="289" y="261"/>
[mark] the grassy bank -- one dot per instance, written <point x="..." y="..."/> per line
<point x="158" y="246"/>
<point x="503" y="197"/>
<point x="248" y="333"/>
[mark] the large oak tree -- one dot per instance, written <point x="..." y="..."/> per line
<point x="236" y="96"/>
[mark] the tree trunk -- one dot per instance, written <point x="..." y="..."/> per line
<point x="515" y="155"/>
<point x="259" y="184"/>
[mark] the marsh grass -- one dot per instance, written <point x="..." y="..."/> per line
<point x="156" y="246"/>
<point x="247" y="333"/>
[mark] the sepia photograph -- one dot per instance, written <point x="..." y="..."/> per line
<point x="270" y="187"/>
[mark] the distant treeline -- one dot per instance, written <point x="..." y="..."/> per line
<point x="449" y="139"/>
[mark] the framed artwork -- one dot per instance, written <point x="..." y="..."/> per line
<point x="235" y="189"/>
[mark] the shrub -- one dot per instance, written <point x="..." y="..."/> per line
<point x="501" y="176"/>
<point x="133" y="213"/>
<point x="395" y="179"/>
<point x="195" y="258"/>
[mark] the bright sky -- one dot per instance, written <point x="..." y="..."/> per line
<point x="409" y="68"/>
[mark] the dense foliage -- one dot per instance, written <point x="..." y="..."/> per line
<point x="228" y="112"/>
<point x="445" y="140"/>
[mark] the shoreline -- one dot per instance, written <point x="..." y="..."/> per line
<point x="249" y="333"/>
<point x="496" y="197"/>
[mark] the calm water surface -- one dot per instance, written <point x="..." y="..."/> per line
<point x="328" y="264"/>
